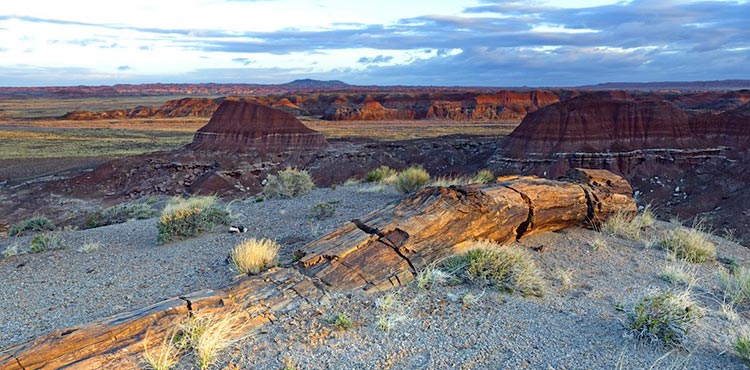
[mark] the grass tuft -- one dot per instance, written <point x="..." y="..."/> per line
<point x="736" y="285"/>
<point x="341" y="321"/>
<point x="450" y="181"/>
<point x="382" y="174"/>
<point x="46" y="242"/>
<point x="393" y="311"/>
<point x="690" y="245"/>
<point x="90" y="247"/>
<point x="183" y="218"/>
<point x="38" y="223"/>
<point x="625" y="225"/>
<point x="679" y="272"/>
<point x="483" y="177"/>
<point x="508" y="268"/>
<point x="165" y="356"/>
<point x="209" y="336"/>
<point x="432" y="276"/>
<point x="742" y="346"/>
<point x="412" y="179"/>
<point x="323" y="211"/>
<point x="255" y="255"/>
<point x="663" y="318"/>
<point x="288" y="183"/>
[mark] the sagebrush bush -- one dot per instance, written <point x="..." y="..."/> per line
<point x="255" y="255"/>
<point x="688" y="244"/>
<point x="382" y="174"/>
<point x="507" y="268"/>
<point x="120" y="213"/>
<point x="46" y="242"/>
<point x="663" y="318"/>
<point x="288" y="183"/>
<point x="483" y="177"/>
<point x="38" y="223"/>
<point x="412" y="179"/>
<point x="183" y="218"/>
<point x="626" y="225"/>
<point x="323" y="210"/>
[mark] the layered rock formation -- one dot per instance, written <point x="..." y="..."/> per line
<point x="252" y="127"/>
<point x="384" y="249"/>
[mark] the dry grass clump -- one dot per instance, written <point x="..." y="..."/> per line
<point x="255" y="255"/>
<point x="393" y="311"/>
<point x="432" y="276"/>
<point x="412" y="179"/>
<point x="625" y="225"/>
<point x="90" y="247"/>
<point x="663" y="318"/>
<point x="679" y="272"/>
<point x="288" y="183"/>
<point x="507" y="268"/>
<point x="183" y="218"/>
<point x="208" y="336"/>
<point x="736" y="285"/>
<point x="382" y="174"/>
<point x="46" y="242"/>
<point x="120" y="213"/>
<point x="688" y="244"/>
<point x="164" y="356"/>
<point x="483" y="177"/>
<point x="450" y="181"/>
<point x="742" y="346"/>
<point x="38" y="223"/>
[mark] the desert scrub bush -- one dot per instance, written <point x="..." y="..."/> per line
<point x="483" y="177"/>
<point x="46" y="242"/>
<point x="165" y="355"/>
<point x="742" y="346"/>
<point x="412" y="179"/>
<point x="340" y="321"/>
<point x="663" y="318"/>
<point x="690" y="245"/>
<point x="625" y="225"/>
<point x="119" y="214"/>
<point x="736" y="285"/>
<point x="183" y="218"/>
<point x="288" y="183"/>
<point x="208" y="336"/>
<point x="382" y="174"/>
<point x="508" y="268"/>
<point x="323" y="210"/>
<point x="38" y="223"/>
<point x="255" y="255"/>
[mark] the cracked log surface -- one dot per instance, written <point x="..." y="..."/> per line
<point x="387" y="247"/>
<point x="378" y="251"/>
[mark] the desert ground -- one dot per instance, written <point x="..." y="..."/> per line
<point x="592" y="278"/>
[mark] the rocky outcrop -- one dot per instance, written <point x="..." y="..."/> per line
<point x="251" y="127"/>
<point x="379" y="251"/>
<point x="186" y="107"/>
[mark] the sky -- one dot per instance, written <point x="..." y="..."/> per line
<point x="383" y="42"/>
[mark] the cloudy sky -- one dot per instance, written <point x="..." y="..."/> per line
<point x="384" y="42"/>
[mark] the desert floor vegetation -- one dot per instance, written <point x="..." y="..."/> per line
<point x="207" y="337"/>
<point x="483" y="177"/>
<point x="382" y="174"/>
<point x="35" y="224"/>
<point x="412" y="179"/>
<point x="253" y="256"/>
<point x="628" y="226"/>
<point x="188" y="217"/>
<point x="689" y="244"/>
<point x="664" y="318"/>
<point x="120" y="213"/>
<point x="288" y="183"/>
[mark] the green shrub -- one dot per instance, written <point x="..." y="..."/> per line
<point x="663" y="318"/>
<point x="742" y="346"/>
<point x="412" y="179"/>
<point x="507" y="268"/>
<point x="341" y="321"/>
<point x="323" y="210"/>
<point x="120" y="213"/>
<point x="688" y="244"/>
<point x="183" y="218"/>
<point x="381" y="174"/>
<point x="484" y="177"/>
<point x="38" y="223"/>
<point x="46" y="242"/>
<point x="288" y="183"/>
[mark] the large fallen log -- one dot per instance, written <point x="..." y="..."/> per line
<point x="386" y="248"/>
<point x="381" y="250"/>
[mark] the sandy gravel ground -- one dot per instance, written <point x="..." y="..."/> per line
<point x="578" y="324"/>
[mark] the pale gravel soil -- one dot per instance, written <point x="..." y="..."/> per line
<point x="574" y="326"/>
<point x="53" y="290"/>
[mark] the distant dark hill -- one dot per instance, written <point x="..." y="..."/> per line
<point x="672" y="85"/>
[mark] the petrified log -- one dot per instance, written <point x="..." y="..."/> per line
<point x="386" y="248"/>
<point x="381" y="250"/>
